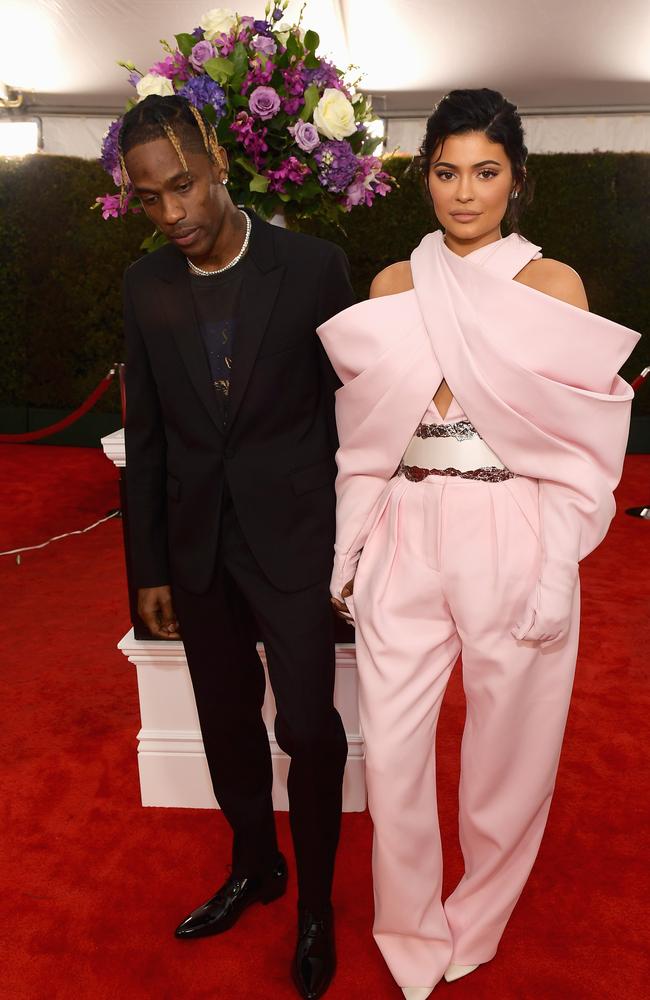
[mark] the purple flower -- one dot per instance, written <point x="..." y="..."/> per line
<point x="261" y="27"/>
<point x="225" y="43"/>
<point x="200" y="54"/>
<point x="369" y="182"/>
<point x="324" y="76"/>
<point x="277" y="14"/>
<point x="337" y="165"/>
<point x="134" y="77"/>
<point x="295" y="79"/>
<point x="259" y="74"/>
<point x="265" y="45"/>
<point x="305" y="135"/>
<point x="292" y="105"/>
<point x="173" y="66"/>
<point x="253" y="141"/>
<point x="264" y="103"/>
<point x="291" y="170"/>
<point x="198" y="34"/>
<point x="109" y="156"/>
<point x="201" y="90"/>
<point x="110" y="205"/>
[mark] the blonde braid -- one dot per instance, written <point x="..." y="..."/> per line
<point x="124" y="181"/>
<point x="171" y="135"/>
<point x="209" y="138"/>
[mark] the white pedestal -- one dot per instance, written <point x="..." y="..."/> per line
<point x="171" y="761"/>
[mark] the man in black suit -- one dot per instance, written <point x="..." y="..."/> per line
<point x="230" y="443"/>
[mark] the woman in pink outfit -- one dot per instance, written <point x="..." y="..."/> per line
<point x="482" y="430"/>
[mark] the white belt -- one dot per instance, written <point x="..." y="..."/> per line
<point x="448" y="448"/>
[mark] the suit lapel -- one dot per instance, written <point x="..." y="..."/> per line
<point x="259" y="292"/>
<point x="181" y="314"/>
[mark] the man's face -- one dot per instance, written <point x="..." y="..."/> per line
<point x="187" y="207"/>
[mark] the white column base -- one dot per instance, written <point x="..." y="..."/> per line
<point x="171" y="760"/>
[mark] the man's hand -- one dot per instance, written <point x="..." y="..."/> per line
<point x="340" y="607"/>
<point x="155" y="609"/>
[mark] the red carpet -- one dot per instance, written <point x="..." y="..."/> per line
<point x="93" y="884"/>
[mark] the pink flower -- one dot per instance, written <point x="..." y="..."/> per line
<point x="291" y="170"/>
<point x="173" y="66"/>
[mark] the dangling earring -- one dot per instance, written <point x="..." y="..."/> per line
<point x="225" y="180"/>
<point x="515" y="194"/>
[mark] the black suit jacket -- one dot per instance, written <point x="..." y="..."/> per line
<point x="277" y="453"/>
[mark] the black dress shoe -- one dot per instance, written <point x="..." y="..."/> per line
<point x="314" y="962"/>
<point x="227" y="905"/>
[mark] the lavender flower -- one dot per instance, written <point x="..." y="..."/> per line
<point x="265" y="45"/>
<point x="264" y="103"/>
<point x="305" y="135"/>
<point x="110" y="159"/>
<point x="337" y="165"/>
<point x="261" y="27"/>
<point x="200" y="54"/>
<point x="277" y="14"/>
<point x="369" y="182"/>
<point x="201" y="90"/>
<point x="198" y="34"/>
<point x="325" y="76"/>
<point x="134" y="77"/>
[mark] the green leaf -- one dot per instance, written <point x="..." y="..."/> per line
<point x="153" y="242"/>
<point x="311" y="62"/>
<point x="294" y="48"/>
<point x="238" y="101"/>
<point x="247" y="165"/>
<point x="209" y="113"/>
<point x="219" y="69"/>
<point x="312" y="97"/>
<point x="259" y="183"/>
<point x="312" y="41"/>
<point x="185" y="43"/>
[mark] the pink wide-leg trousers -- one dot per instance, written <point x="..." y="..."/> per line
<point x="446" y="569"/>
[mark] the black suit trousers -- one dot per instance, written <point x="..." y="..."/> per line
<point x="219" y="630"/>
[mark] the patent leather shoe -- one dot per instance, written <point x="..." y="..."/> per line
<point x="314" y="962"/>
<point x="224" y="909"/>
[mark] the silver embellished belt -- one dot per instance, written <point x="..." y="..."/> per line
<point x="454" y="449"/>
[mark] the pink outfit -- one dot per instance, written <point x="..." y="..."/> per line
<point x="453" y="564"/>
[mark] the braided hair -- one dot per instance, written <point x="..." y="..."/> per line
<point x="487" y="111"/>
<point x="172" y="117"/>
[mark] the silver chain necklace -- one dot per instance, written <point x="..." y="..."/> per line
<point x="209" y="274"/>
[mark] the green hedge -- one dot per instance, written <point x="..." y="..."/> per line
<point x="61" y="264"/>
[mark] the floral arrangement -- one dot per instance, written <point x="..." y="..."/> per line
<point x="296" y="132"/>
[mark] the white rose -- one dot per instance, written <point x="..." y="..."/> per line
<point x="218" y="21"/>
<point x="334" y="115"/>
<point x="283" y="29"/>
<point x="154" y="84"/>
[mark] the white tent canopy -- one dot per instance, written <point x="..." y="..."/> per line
<point x="578" y="69"/>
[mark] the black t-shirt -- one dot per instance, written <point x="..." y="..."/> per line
<point x="216" y="299"/>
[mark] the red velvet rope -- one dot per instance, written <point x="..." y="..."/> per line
<point x="60" y="425"/>
<point x="640" y="379"/>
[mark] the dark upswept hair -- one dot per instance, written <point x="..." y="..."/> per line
<point x="173" y="117"/>
<point x="487" y="111"/>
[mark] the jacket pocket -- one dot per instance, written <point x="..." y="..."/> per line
<point x="173" y="488"/>
<point x="314" y="477"/>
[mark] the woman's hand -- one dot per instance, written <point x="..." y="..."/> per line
<point x="341" y="607"/>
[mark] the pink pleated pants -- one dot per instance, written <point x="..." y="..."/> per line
<point x="447" y="569"/>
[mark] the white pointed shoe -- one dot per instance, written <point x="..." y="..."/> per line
<point x="417" y="992"/>
<point x="458" y="971"/>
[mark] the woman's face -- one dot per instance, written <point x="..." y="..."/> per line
<point x="470" y="181"/>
